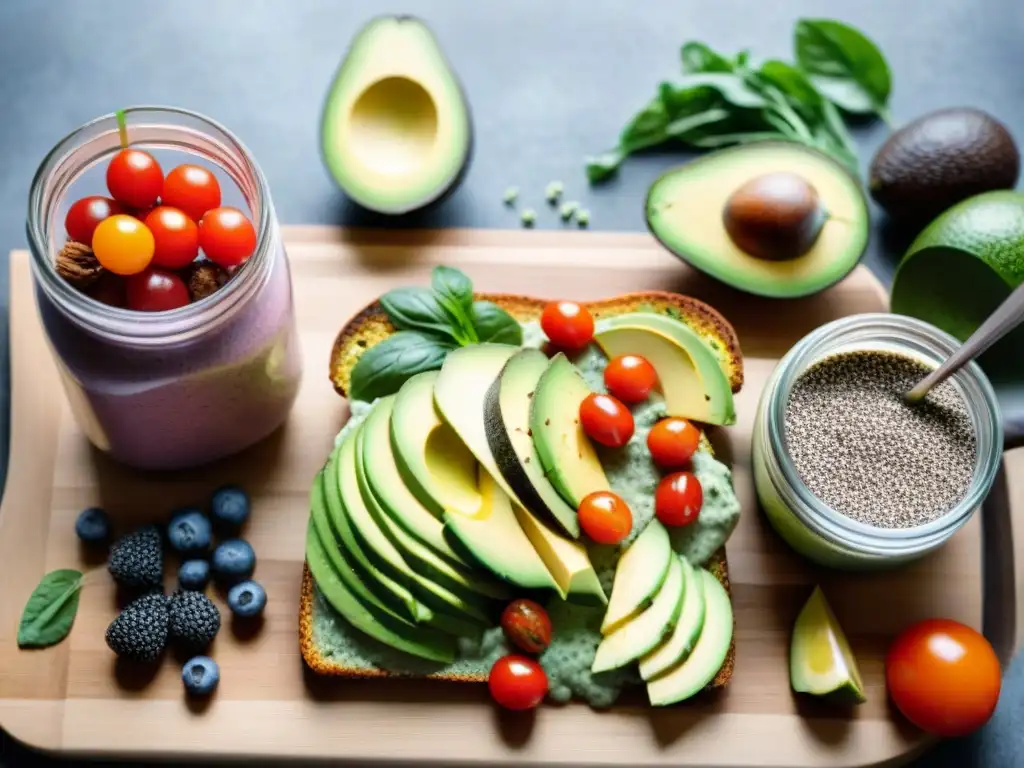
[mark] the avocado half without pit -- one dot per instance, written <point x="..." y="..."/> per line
<point x="774" y="219"/>
<point x="396" y="133"/>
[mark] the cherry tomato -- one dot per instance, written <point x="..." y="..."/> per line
<point x="527" y="625"/>
<point x="943" y="676"/>
<point x="176" y="237"/>
<point x="135" y="178"/>
<point x="226" y="236"/>
<point x="123" y="244"/>
<point x="606" y="420"/>
<point x="192" y="189"/>
<point x="517" y="682"/>
<point x="630" y="378"/>
<point x="568" y="325"/>
<point x="83" y="217"/>
<point x="678" y="499"/>
<point x="605" y="517"/>
<point x="672" y="442"/>
<point x="156" y="290"/>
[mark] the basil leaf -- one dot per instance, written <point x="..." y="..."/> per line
<point x="732" y="88"/>
<point x="844" y="65"/>
<point x="603" y="166"/>
<point x="646" y="128"/>
<point x="792" y="82"/>
<point x="679" y="129"/>
<point x="740" y="137"/>
<point x="385" y="367"/>
<point x="698" y="57"/>
<point x="496" y="325"/>
<point x="50" y="610"/>
<point x="418" y="309"/>
<point x="455" y="292"/>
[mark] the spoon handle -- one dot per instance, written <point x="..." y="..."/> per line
<point x="1006" y="317"/>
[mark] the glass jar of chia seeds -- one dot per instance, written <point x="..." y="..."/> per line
<point x="813" y="527"/>
<point x="181" y="387"/>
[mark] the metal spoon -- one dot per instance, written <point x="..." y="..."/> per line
<point x="1007" y="316"/>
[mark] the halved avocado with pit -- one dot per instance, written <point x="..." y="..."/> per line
<point x="774" y="219"/>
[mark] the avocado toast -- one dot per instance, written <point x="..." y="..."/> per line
<point x="561" y="566"/>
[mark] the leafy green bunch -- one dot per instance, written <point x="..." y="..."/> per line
<point x="723" y="100"/>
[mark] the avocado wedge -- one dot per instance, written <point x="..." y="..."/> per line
<point x="821" y="662"/>
<point x="396" y="132"/>
<point x="641" y="572"/>
<point x="684" y="636"/>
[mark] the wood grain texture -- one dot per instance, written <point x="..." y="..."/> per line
<point x="74" y="697"/>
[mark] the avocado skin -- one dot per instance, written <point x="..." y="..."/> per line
<point x="940" y="159"/>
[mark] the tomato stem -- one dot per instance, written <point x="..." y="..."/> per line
<point x="122" y="128"/>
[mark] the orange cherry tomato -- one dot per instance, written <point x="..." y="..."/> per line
<point x="84" y="216"/>
<point x="226" y="236"/>
<point x="606" y="420"/>
<point x="672" y="442"/>
<point x="678" y="499"/>
<point x="630" y="378"/>
<point x="527" y="625"/>
<point x="605" y="517"/>
<point x="569" y="325"/>
<point x="123" y="244"/>
<point x="135" y="178"/>
<point x="943" y="676"/>
<point x="192" y="189"/>
<point x="176" y="237"/>
<point x="517" y="682"/>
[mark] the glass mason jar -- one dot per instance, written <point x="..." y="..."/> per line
<point x="808" y="524"/>
<point x="178" y="388"/>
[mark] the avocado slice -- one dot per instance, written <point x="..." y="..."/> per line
<point x="820" y="659"/>
<point x="436" y="465"/>
<point x="641" y="571"/>
<point x="507" y="424"/>
<point x="689" y="374"/>
<point x="395" y="132"/>
<point x="680" y="643"/>
<point x="643" y="633"/>
<point x="691" y="676"/>
<point x="422" y="642"/>
<point x="685" y="209"/>
<point x="566" y="453"/>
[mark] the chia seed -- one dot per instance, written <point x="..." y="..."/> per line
<point x="867" y="454"/>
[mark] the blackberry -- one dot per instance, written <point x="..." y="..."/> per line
<point x="194" y="619"/>
<point x="139" y="633"/>
<point x="137" y="560"/>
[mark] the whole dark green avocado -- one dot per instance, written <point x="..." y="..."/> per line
<point x="940" y="159"/>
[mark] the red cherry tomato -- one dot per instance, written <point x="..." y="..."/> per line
<point x="156" y="290"/>
<point x="943" y="676"/>
<point x="226" y="236"/>
<point x="678" y="499"/>
<point x="527" y="625"/>
<point x="606" y="420"/>
<point x="605" y="517"/>
<point x="568" y="325"/>
<point x="83" y="217"/>
<point x="134" y="178"/>
<point x="176" y="237"/>
<point x="672" y="442"/>
<point x="517" y="682"/>
<point x="630" y="378"/>
<point x="192" y="189"/>
<point x="123" y="244"/>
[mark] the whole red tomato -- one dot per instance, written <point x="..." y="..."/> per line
<point x="192" y="189"/>
<point x="606" y="420"/>
<point x="630" y="378"/>
<point x="943" y="676"/>
<point x="175" y="235"/>
<point x="135" y="178"/>
<point x="156" y="290"/>
<point x="569" y="325"/>
<point x="85" y="214"/>
<point x="517" y="682"/>
<point x="226" y="236"/>
<point x="605" y="517"/>
<point x="678" y="499"/>
<point x="672" y="442"/>
<point x="527" y="625"/>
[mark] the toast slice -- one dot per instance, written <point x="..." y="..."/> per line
<point x="371" y="326"/>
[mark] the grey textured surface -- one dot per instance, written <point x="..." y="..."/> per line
<point x="548" y="82"/>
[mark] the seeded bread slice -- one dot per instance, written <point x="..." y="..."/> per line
<point x="371" y="326"/>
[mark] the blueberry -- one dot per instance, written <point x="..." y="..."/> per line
<point x="194" y="574"/>
<point x="189" y="531"/>
<point x="233" y="560"/>
<point x="93" y="526"/>
<point x="247" y="599"/>
<point x="200" y="675"/>
<point x="230" y="506"/>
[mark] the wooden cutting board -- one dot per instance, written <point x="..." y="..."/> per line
<point x="74" y="698"/>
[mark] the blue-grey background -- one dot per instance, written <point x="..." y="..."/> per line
<point x="548" y="81"/>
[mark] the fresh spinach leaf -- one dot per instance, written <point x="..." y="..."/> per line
<point x="845" y="65"/>
<point x="418" y="309"/>
<point x="792" y="82"/>
<point x="455" y="292"/>
<point x="50" y="610"/>
<point x="495" y="325"/>
<point x="698" y="57"/>
<point x="384" y="367"/>
<point x="733" y="88"/>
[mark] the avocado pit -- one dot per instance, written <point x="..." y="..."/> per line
<point x="776" y="216"/>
